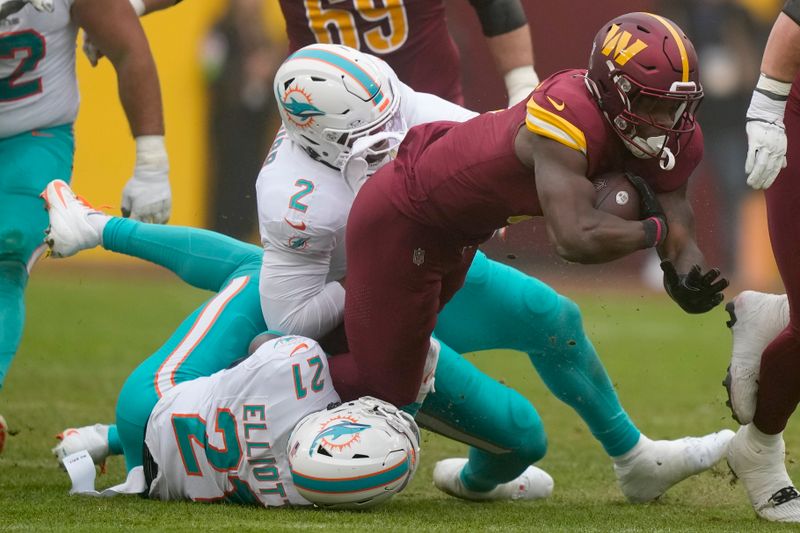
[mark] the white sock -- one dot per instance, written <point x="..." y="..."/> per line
<point x="763" y="440"/>
<point x="98" y="221"/>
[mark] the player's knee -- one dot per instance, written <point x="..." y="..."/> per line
<point x="12" y="244"/>
<point x="569" y="316"/>
<point x="521" y="428"/>
<point x="12" y="274"/>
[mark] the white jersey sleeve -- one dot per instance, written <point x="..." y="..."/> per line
<point x="38" y="85"/>
<point x="302" y="212"/>
<point x="421" y="108"/>
<point x="224" y="437"/>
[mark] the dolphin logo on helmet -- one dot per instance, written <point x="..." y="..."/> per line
<point x="335" y="432"/>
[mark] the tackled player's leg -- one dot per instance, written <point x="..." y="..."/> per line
<point x="210" y="339"/>
<point x="548" y="327"/>
<point x="502" y="427"/>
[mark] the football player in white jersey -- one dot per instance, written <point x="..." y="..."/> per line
<point x="38" y="105"/>
<point x="269" y="431"/>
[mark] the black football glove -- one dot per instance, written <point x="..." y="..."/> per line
<point x="650" y="211"/>
<point x="695" y="292"/>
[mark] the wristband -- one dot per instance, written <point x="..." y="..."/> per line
<point x="151" y="152"/>
<point x="519" y="80"/>
<point x="655" y="231"/>
<point x="768" y="103"/>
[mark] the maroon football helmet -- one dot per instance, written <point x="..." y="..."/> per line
<point x="643" y="73"/>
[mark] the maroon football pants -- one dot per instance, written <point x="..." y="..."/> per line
<point x="779" y="379"/>
<point x="400" y="273"/>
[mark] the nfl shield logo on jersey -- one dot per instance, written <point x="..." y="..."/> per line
<point x="419" y="256"/>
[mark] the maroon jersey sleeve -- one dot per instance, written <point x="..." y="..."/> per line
<point x="401" y="32"/>
<point x="562" y="109"/>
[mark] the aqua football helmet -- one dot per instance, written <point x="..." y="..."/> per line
<point x="356" y="455"/>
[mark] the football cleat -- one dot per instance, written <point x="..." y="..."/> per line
<point x="762" y="471"/>
<point x="93" y="439"/>
<point x="533" y="484"/>
<point x="756" y="319"/>
<point x="3" y="433"/>
<point x="649" y="469"/>
<point x="70" y="230"/>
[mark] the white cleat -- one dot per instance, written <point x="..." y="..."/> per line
<point x="756" y="319"/>
<point x="70" y="230"/>
<point x="762" y="471"/>
<point x="649" y="469"/>
<point x="93" y="439"/>
<point x="533" y="484"/>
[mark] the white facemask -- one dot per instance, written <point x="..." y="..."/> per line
<point x="643" y="148"/>
<point x="379" y="149"/>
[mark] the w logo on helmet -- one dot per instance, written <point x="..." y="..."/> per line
<point x="618" y="41"/>
<point x="299" y="108"/>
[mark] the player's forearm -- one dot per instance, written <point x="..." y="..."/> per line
<point x="781" y="59"/>
<point x="313" y="316"/>
<point x="139" y="93"/>
<point x="426" y="108"/>
<point x="511" y="50"/>
<point x="597" y="238"/>
<point x="680" y="246"/>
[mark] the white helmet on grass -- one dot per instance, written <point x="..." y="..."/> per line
<point x="356" y="455"/>
<point x="329" y="96"/>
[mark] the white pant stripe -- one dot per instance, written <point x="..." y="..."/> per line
<point x="165" y="377"/>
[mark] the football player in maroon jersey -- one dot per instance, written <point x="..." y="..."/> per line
<point x="410" y="35"/>
<point x="764" y="384"/>
<point x="414" y="225"/>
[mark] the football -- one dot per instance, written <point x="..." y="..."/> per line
<point x="615" y="195"/>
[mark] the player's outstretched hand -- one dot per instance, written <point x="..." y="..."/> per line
<point x="696" y="292"/>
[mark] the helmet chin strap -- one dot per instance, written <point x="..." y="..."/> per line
<point x="356" y="169"/>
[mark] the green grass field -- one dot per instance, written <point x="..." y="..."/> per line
<point x="86" y="331"/>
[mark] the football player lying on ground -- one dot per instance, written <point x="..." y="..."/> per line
<point x="532" y="314"/>
<point x="270" y="431"/>
<point x="413" y="227"/>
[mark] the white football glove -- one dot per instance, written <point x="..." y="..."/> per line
<point x="766" y="134"/>
<point x="766" y="153"/>
<point x="520" y="82"/>
<point x="147" y="196"/>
